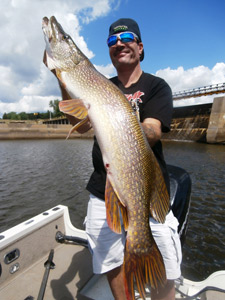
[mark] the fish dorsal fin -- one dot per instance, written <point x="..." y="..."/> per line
<point x="160" y="202"/>
<point x="113" y="205"/>
<point x="74" y="107"/>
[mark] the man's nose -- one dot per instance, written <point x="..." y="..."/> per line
<point x="118" y="43"/>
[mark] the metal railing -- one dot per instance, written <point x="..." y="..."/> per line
<point x="201" y="91"/>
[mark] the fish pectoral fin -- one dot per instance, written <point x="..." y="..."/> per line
<point x="74" y="107"/>
<point x="113" y="205"/>
<point x="160" y="200"/>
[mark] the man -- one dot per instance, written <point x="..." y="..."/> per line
<point x="152" y="99"/>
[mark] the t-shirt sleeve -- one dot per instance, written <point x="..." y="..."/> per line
<point x="160" y="104"/>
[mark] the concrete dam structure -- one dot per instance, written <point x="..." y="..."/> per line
<point x="201" y="123"/>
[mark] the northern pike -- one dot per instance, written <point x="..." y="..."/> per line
<point x="135" y="185"/>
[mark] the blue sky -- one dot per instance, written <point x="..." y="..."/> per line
<point x="175" y="33"/>
<point x="184" y="43"/>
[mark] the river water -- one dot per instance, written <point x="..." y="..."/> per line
<point x="36" y="175"/>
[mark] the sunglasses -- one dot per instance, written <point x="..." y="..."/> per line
<point x="124" y="37"/>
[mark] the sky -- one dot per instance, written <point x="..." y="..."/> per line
<point x="184" y="44"/>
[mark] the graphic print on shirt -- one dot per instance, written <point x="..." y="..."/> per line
<point x="135" y="100"/>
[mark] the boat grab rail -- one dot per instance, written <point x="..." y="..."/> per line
<point x="63" y="239"/>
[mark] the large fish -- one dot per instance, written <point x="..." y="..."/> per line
<point x="135" y="185"/>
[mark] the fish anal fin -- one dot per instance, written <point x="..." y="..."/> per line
<point x="74" y="107"/>
<point x="123" y="211"/>
<point x="113" y="206"/>
<point x="145" y="268"/>
<point x="160" y="201"/>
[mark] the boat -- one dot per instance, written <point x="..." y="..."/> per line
<point x="46" y="257"/>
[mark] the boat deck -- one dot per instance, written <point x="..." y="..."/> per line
<point x="72" y="270"/>
<point x="72" y="274"/>
<point x="33" y="240"/>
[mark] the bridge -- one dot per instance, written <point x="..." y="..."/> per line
<point x="201" y="91"/>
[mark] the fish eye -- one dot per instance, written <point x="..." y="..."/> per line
<point x="66" y="36"/>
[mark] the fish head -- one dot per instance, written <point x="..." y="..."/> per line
<point x="62" y="53"/>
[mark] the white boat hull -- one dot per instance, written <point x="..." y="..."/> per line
<point x="25" y="248"/>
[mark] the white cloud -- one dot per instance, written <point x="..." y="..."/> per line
<point x="8" y="79"/>
<point x="97" y="8"/>
<point x="28" y="103"/>
<point x="45" y="84"/>
<point x="22" y="74"/>
<point x="108" y="71"/>
<point x="180" y="80"/>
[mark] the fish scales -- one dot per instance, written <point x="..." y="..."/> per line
<point x="135" y="185"/>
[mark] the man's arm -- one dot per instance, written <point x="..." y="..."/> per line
<point x="152" y="129"/>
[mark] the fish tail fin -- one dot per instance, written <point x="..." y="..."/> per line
<point x="145" y="268"/>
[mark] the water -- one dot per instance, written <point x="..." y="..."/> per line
<point x="38" y="175"/>
<point x="205" y="242"/>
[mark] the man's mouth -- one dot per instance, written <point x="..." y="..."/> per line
<point x="120" y="53"/>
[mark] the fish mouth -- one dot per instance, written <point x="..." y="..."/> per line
<point x="59" y="45"/>
<point x="53" y="30"/>
<point x="46" y="28"/>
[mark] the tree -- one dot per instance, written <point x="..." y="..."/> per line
<point x="23" y="116"/>
<point x="55" y="105"/>
<point x="5" y="116"/>
<point x="13" y="116"/>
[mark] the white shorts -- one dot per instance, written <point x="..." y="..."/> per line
<point x="107" y="247"/>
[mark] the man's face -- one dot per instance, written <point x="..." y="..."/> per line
<point x="124" y="54"/>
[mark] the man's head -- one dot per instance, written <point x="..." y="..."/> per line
<point x="125" y="30"/>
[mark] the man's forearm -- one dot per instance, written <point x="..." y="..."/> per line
<point x="152" y="130"/>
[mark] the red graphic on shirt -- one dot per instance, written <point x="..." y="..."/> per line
<point x="135" y="99"/>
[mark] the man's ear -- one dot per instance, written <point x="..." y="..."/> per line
<point x="141" y="47"/>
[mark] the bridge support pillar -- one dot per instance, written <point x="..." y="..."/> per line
<point x="216" y="128"/>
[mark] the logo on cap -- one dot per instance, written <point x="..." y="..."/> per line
<point x="120" y="28"/>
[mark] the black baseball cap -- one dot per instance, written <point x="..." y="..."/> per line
<point x="126" y="24"/>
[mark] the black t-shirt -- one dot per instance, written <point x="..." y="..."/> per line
<point x="152" y="97"/>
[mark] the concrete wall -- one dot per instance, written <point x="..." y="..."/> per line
<point x="22" y="130"/>
<point x="216" y="128"/>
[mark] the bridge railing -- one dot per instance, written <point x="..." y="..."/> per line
<point x="201" y="91"/>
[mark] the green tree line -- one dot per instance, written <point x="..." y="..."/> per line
<point x="54" y="104"/>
